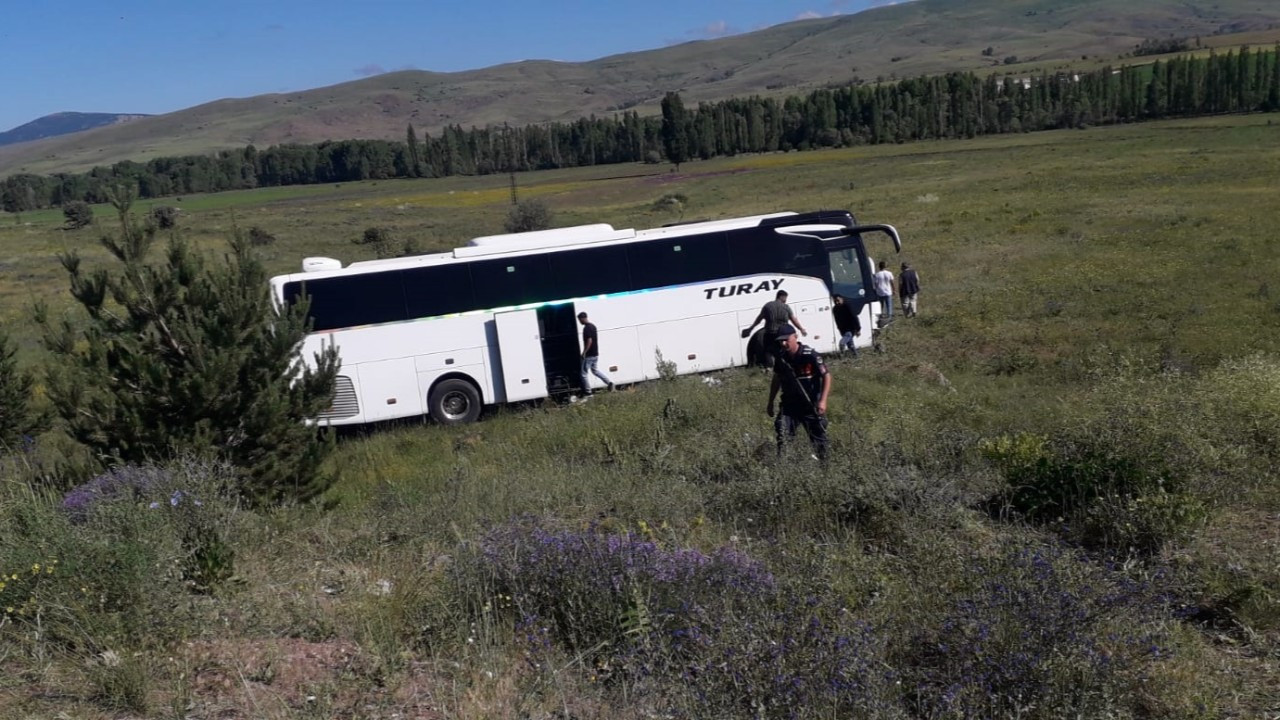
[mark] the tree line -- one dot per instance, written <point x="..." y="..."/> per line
<point x="954" y="105"/>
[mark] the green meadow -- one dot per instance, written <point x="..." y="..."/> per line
<point x="1052" y="495"/>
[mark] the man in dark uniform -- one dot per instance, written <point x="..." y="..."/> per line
<point x="805" y="383"/>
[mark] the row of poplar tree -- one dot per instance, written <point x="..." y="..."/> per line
<point x="944" y="106"/>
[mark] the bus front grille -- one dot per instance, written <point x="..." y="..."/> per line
<point x="345" y="404"/>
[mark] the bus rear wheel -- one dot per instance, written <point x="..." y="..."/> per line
<point x="454" y="402"/>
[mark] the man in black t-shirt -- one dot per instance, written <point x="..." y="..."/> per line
<point x="805" y="383"/>
<point x="846" y="322"/>
<point x="590" y="355"/>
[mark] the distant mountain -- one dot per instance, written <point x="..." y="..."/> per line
<point x="63" y="123"/>
<point x="885" y="43"/>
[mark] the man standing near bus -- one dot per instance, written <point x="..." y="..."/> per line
<point x="774" y="314"/>
<point x="884" y="285"/>
<point x="805" y="383"/>
<point x="590" y="355"/>
<point x="847" y="323"/>
<point x="908" y="289"/>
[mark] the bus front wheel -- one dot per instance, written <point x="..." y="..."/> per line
<point x="453" y="402"/>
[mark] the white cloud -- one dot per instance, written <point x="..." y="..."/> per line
<point x="808" y="15"/>
<point x="719" y="28"/>
<point x="369" y="70"/>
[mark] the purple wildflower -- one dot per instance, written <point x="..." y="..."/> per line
<point x="123" y="481"/>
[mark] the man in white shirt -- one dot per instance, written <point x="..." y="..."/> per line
<point x="884" y="286"/>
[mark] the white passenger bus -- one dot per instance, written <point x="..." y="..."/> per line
<point x="495" y="322"/>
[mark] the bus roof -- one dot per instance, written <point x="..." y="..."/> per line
<point x="533" y="242"/>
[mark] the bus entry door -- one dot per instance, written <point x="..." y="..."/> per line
<point x="520" y="348"/>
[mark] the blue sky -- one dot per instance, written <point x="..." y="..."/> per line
<point x="156" y="56"/>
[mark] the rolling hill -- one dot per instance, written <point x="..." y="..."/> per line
<point x="63" y="123"/>
<point x="915" y="38"/>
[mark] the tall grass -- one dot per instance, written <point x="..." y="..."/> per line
<point x="1052" y="496"/>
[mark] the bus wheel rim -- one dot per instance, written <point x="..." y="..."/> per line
<point x="455" y="404"/>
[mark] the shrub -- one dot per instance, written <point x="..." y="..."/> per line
<point x="1038" y="633"/>
<point x="404" y="249"/>
<point x="1103" y="494"/>
<point x="111" y="566"/>
<point x="1161" y="46"/>
<point x="120" y="681"/>
<point x="1143" y="523"/>
<point x="259" y="237"/>
<point x="527" y="216"/>
<point x="584" y="583"/>
<point x="374" y="236"/>
<point x="701" y="633"/>
<point x="164" y="217"/>
<point x="78" y="214"/>
<point x="194" y="360"/>
<point x="128" y="482"/>
<point x="671" y="202"/>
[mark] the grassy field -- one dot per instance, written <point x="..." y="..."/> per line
<point x="1096" y="321"/>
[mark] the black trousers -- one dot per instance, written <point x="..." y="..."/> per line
<point x="786" y="424"/>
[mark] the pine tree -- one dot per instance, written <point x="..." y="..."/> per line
<point x="1156" y="92"/>
<point x="675" y="140"/>
<point x="16" y="416"/>
<point x="1273" y="92"/>
<point x="180" y="357"/>
<point x="414" y="156"/>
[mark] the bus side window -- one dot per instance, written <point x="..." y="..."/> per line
<point x="589" y="271"/>
<point x="752" y="252"/>
<point x="505" y="282"/>
<point x="355" y="300"/>
<point x="803" y="256"/>
<point x="678" y="260"/>
<point x="433" y="291"/>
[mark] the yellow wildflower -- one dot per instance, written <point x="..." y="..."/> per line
<point x="35" y="568"/>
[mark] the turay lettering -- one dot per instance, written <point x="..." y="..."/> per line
<point x="742" y="289"/>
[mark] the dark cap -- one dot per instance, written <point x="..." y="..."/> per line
<point x="785" y="331"/>
<point x="582" y="316"/>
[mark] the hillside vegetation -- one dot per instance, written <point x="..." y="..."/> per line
<point x="1052" y="496"/>
<point x="893" y="42"/>
<point x="62" y="123"/>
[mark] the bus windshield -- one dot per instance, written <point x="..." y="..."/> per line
<point x="846" y="274"/>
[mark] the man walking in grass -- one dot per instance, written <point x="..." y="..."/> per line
<point x="590" y="356"/>
<point x="801" y="376"/>
<point x="908" y="289"/>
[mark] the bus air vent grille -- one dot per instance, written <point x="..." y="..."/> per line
<point x="345" y="404"/>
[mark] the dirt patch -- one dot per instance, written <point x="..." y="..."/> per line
<point x="274" y="677"/>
